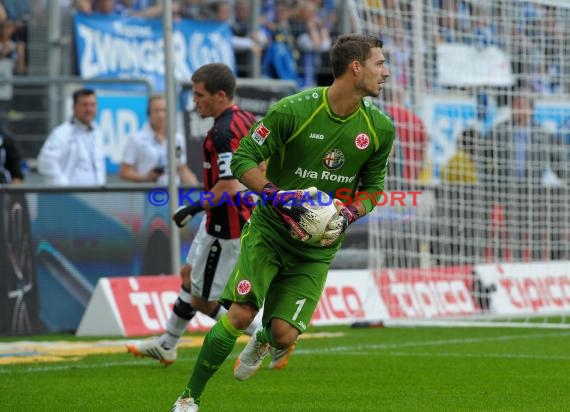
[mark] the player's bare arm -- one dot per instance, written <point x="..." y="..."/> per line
<point x="254" y="179"/>
<point x="223" y="187"/>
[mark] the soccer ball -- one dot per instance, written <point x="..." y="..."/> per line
<point x="319" y="209"/>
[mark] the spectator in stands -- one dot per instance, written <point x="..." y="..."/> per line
<point x="73" y="152"/>
<point x="543" y="78"/>
<point x="130" y="7"/>
<point x="14" y="33"/>
<point x="411" y="137"/>
<point x="83" y="6"/>
<point x="327" y="14"/>
<point x="96" y="6"/>
<point x="521" y="160"/>
<point x="268" y="12"/>
<point x="461" y="168"/>
<point x="483" y="33"/>
<point x="145" y="158"/>
<point x="279" y="60"/>
<point x="552" y="41"/>
<point x="520" y="150"/>
<point x="190" y="9"/>
<point x="312" y="38"/>
<point x="454" y="24"/>
<point x="447" y="30"/>
<point x="563" y="140"/>
<point x="278" y="24"/>
<point x="17" y="11"/>
<point x="398" y="48"/>
<point x="522" y="51"/>
<point x="9" y="50"/>
<point x="460" y="204"/>
<point x="103" y="6"/>
<point x="10" y="160"/>
<point x="245" y="42"/>
<point x="254" y="41"/>
<point x="464" y="15"/>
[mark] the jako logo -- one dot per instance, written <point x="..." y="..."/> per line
<point x="317" y="136"/>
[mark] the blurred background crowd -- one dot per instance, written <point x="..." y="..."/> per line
<point x="290" y="40"/>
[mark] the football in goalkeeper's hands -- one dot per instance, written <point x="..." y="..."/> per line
<point x="319" y="211"/>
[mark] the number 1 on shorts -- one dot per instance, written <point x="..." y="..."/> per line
<point x="300" y="303"/>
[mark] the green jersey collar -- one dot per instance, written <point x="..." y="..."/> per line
<point x="333" y="115"/>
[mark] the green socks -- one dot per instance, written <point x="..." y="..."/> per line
<point x="263" y="335"/>
<point x="218" y="344"/>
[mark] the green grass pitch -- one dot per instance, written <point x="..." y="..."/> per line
<point x="382" y="369"/>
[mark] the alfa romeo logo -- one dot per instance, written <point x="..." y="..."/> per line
<point x="334" y="159"/>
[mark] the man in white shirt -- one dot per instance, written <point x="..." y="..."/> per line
<point x="145" y="158"/>
<point x="72" y="155"/>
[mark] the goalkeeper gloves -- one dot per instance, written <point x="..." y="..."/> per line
<point x="288" y="205"/>
<point x="339" y="222"/>
<point x="183" y="214"/>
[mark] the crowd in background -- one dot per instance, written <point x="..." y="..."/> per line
<point x="305" y="27"/>
<point x="534" y="35"/>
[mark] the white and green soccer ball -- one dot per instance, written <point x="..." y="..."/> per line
<point x="319" y="211"/>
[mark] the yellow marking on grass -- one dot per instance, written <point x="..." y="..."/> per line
<point x="36" y="359"/>
<point x="25" y="352"/>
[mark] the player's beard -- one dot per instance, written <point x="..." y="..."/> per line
<point x="367" y="88"/>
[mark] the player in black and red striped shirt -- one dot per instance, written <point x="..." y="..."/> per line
<point x="216" y="246"/>
<point x="230" y="125"/>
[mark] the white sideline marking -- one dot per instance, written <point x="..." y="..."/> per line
<point x="360" y="350"/>
<point x="481" y="355"/>
<point x="444" y="355"/>
<point x="472" y="324"/>
<point x="440" y="342"/>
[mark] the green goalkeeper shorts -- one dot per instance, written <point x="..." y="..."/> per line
<point x="269" y="273"/>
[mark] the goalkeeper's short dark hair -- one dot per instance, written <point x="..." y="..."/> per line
<point x="349" y="47"/>
<point x="216" y="77"/>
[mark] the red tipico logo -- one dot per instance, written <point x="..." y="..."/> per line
<point x="362" y="141"/>
<point x="244" y="287"/>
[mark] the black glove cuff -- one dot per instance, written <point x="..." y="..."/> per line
<point x="269" y="191"/>
<point x="193" y="209"/>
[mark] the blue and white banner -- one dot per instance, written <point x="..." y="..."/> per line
<point x="121" y="114"/>
<point x="131" y="47"/>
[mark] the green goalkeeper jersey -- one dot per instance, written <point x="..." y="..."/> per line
<point x="305" y="144"/>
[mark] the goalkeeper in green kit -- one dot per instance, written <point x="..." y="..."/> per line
<point x="329" y="138"/>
